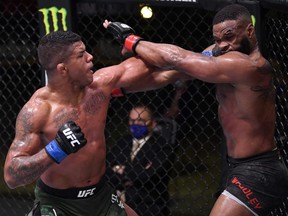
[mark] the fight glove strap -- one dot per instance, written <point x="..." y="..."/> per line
<point x="131" y="42"/>
<point x="69" y="139"/>
<point x="55" y="152"/>
<point x="207" y="53"/>
<point x="118" y="92"/>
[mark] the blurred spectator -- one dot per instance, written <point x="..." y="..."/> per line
<point x="138" y="165"/>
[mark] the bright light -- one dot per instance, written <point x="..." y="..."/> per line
<point x="146" y="12"/>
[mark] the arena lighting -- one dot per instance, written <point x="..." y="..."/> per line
<point x="146" y="12"/>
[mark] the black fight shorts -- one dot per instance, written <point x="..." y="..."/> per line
<point x="99" y="199"/>
<point x="259" y="183"/>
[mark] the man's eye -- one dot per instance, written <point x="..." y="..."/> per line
<point x="228" y="37"/>
<point x="81" y="54"/>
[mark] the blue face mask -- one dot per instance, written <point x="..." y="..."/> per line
<point x="139" y="131"/>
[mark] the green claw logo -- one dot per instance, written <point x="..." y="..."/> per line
<point x="253" y="20"/>
<point x="54" y="11"/>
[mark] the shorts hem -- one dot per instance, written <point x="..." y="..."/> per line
<point x="231" y="196"/>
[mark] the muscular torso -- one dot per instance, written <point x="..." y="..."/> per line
<point x="87" y="166"/>
<point x="247" y="114"/>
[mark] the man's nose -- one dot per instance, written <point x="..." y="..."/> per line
<point x="90" y="57"/>
<point x="223" y="46"/>
<point x="136" y="121"/>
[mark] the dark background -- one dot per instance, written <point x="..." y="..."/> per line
<point x="195" y="175"/>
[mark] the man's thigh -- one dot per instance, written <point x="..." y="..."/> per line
<point x="225" y="206"/>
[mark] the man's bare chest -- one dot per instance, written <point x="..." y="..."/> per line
<point x="92" y="107"/>
<point x="224" y="93"/>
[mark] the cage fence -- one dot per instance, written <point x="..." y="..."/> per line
<point x="195" y="171"/>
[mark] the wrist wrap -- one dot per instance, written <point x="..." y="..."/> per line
<point x="207" y="53"/>
<point x="55" y="152"/>
<point x="118" y="92"/>
<point x="131" y="42"/>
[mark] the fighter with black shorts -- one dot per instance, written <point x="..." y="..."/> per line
<point x="244" y="89"/>
<point x="251" y="182"/>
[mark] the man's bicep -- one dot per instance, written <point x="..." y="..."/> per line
<point x="233" y="68"/>
<point x="226" y="68"/>
<point x="28" y="130"/>
<point x="28" y="145"/>
<point x="156" y="80"/>
<point x="123" y="74"/>
<point x="133" y="70"/>
<point x="26" y="142"/>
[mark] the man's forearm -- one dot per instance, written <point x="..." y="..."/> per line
<point x="24" y="170"/>
<point x="164" y="56"/>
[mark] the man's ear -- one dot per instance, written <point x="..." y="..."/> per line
<point x="61" y="68"/>
<point x="250" y="30"/>
<point x="153" y="123"/>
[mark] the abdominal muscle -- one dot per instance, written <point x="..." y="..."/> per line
<point x="83" y="168"/>
<point x="247" y="118"/>
<point x="245" y="138"/>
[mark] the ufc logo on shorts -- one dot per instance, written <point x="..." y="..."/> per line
<point x="70" y="136"/>
<point x="85" y="193"/>
<point x="115" y="199"/>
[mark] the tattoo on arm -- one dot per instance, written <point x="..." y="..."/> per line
<point x="94" y="101"/>
<point x="23" y="167"/>
<point x="26" y="169"/>
<point x="268" y="89"/>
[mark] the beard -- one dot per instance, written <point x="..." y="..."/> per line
<point x="245" y="46"/>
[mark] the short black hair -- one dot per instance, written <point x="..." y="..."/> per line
<point x="232" y="12"/>
<point x="54" y="47"/>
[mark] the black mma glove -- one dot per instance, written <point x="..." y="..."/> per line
<point x="69" y="139"/>
<point x="124" y="34"/>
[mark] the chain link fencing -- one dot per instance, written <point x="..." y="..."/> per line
<point x="196" y="170"/>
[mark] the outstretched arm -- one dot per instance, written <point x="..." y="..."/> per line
<point x="227" y="68"/>
<point x="155" y="80"/>
<point x="135" y="75"/>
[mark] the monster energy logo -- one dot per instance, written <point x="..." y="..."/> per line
<point x="253" y="20"/>
<point x="54" y="11"/>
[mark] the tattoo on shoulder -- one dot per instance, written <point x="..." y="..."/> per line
<point x="267" y="89"/>
<point x="93" y="101"/>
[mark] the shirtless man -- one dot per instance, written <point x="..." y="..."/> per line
<point x="257" y="180"/>
<point x="59" y="137"/>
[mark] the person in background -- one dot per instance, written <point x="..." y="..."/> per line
<point x="139" y="165"/>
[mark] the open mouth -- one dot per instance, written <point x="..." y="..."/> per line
<point x="93" y="69"/>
